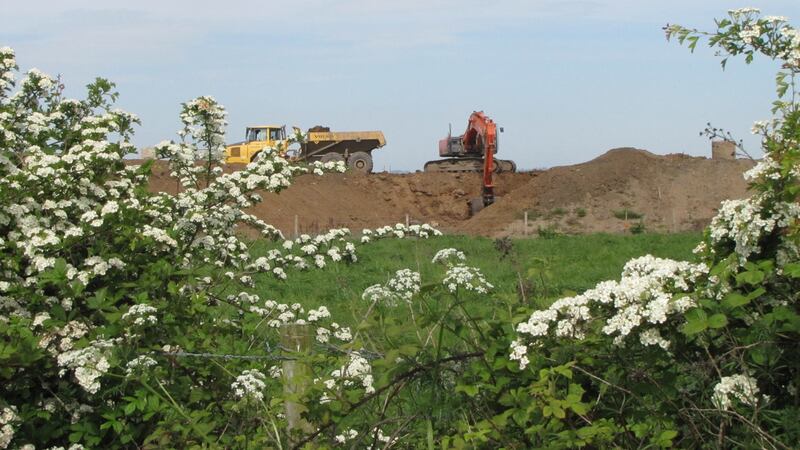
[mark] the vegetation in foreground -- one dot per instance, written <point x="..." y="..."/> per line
<point x="114" y="333"/>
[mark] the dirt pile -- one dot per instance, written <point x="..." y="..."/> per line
<point x="615" y="192"/>
<point x="366" y="201"/>
<point x="623" y="189"/>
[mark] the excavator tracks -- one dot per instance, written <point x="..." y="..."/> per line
<point x="461" y="165"/>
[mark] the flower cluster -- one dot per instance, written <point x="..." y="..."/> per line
<point x="448" y="256"/>
<point x="140" y="363"/>
<point x="765" y="169"/>
<point x="250" y="385"/>
<point x="8" y="416"/>
<point x="88" y="363"/>
<point x="378" y="293"/>
<point x="356" y="372"/>
<point x="741" y="387"/>
<point x="381" y="439"/>
<point x="141" y="314"/>
<point x="404" y="284"/>
<point x="399" y="231"/>
<point x="345" y="436"/>
<point x="401" y="287"/>
<point x="745" y="223"/>
<point x="306" y="251"/>
<point x="277" y="315"/>
<point x="343" y="334"/>
<point x="8" y="64"/>
<point x="467" y="278"/>
<point x="319" y="167"/>
<point x="641" y="301"/>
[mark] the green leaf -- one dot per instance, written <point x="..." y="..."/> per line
<point x="758" y="356"/>
<point x="468" y="389"/>
<point x="718" y="320"/>
<point x="665" y="438"/>
<point x="693" y="43"/>
<point x="76" y="436"/>
<point x="756" y="293"/>
<point x="696" y="321"/>
<point x="783" y="86"/>
<point x="792" y="270"/>
<point x="98" y="300"/>
<point x="734" y="300"/>
<point x="408" y="350"/>
<point x="564" y="371"/>
<point x="580" y="408"/>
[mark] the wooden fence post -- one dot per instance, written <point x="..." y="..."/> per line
<point x="408" y="221"/>
<point x="296" y="227"/>
<point x="525" y="232"/>
<point x="296" y="376"/>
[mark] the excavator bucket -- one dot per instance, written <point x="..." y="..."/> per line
<point x="475" y="205"/>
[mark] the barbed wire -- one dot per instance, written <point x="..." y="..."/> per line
<point x="272" y="356"/>
<point x="226" y="356"/>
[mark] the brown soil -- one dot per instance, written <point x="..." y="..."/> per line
<point x="672" y="193"/>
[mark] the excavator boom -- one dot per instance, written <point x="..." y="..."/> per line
<point x="473" y="151"/>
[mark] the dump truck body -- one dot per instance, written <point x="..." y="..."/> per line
<point x="351" y="147"/>
<point x="319" y="143"/>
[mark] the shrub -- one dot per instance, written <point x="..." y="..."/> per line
<point x="638" y="227"/>
<point x="125" y="319"/>
<point x="697" y="354"/>
<point x="627" y="214"/>
<point x="548" y="232"/>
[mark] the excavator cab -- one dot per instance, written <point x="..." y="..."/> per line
<point x="256" y="138"/>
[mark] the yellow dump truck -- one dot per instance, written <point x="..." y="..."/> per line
<point x="352" y="147"/>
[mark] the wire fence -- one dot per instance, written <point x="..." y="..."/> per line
<point x="275" y="353"/>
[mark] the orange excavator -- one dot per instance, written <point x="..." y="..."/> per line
<point x="473" y="151"/>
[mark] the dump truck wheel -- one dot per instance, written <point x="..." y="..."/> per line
<point x="332" y="157"/>
<point x="360" y="162"/>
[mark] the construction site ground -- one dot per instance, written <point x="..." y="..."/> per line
<point x="623" y="190"/>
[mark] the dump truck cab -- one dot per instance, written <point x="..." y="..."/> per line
<point x="256" y="138"/>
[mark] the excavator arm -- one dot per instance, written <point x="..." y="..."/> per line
<point x="473" y="151"/>
<point x="481" y="139"/>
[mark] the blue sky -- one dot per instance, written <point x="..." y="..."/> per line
<point x="567" y="79"/>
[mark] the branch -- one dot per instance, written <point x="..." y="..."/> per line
<point x="398" y="379"/>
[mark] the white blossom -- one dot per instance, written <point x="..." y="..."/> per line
<point x="467" y="278"/>
<point x="448" y="255"/>
<point x="741" y="387"/>
<point x="250" y="385"/>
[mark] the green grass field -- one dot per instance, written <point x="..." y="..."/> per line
<point x="549" y="267"/>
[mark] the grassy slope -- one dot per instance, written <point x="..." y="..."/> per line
<point x="553" y="266"/>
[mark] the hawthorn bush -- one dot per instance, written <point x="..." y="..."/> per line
<point x="127" y="318"/>
<point x="701" y="354"/>
<point x="123" y="318"/>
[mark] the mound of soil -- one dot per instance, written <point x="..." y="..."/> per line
<point x="622" y="189"/>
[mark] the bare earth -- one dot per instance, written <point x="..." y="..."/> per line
<point x="671" y="192"/>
